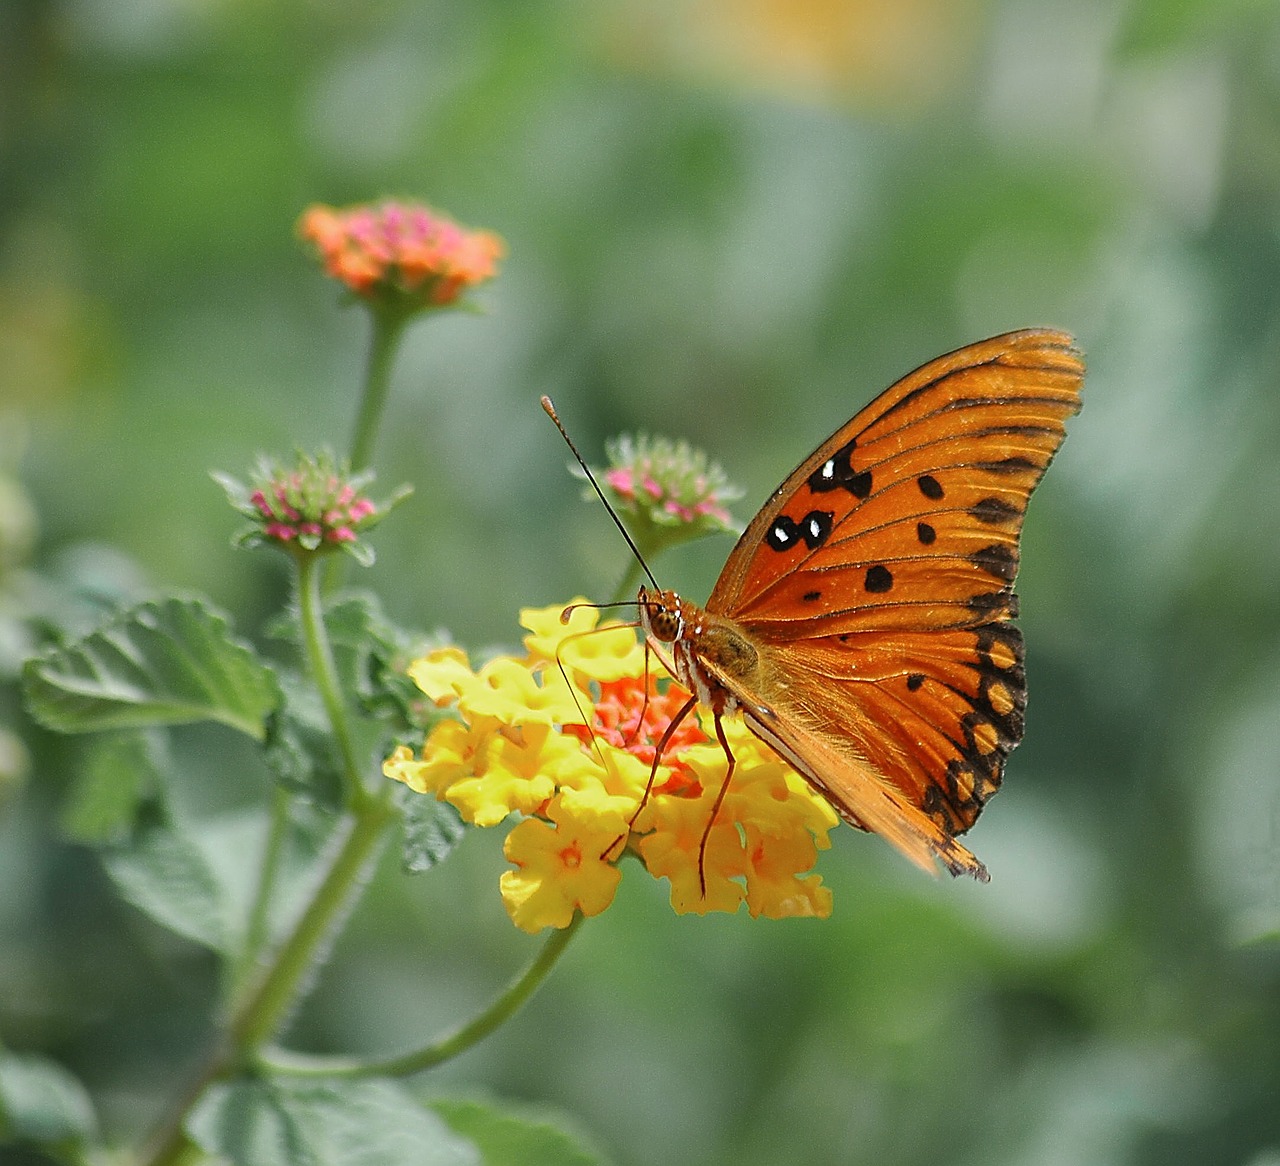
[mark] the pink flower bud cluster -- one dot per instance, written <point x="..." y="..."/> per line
<point x="669" y="484"/>
<point x="309" y="505"/>
<point x="623" y="481"/>
<point x="336" y="523"/>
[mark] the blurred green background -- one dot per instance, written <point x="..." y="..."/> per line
<point x="732" y="221"/>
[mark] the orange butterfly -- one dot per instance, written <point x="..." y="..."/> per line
<point x="863" y="624"/>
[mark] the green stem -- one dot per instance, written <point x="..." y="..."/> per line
<point x="267" y="1006"/>
<point x="324" y="672"/>
<point x="450" y="1045"/>
<point x="263" y="1008"/>
<point x="388" y="326"/>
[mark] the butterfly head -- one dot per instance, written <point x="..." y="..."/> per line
<point x="661" y="614"/>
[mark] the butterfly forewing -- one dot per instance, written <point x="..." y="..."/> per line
<point x="909" y="515"/>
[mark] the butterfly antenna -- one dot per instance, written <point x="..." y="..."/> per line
<point x="550" y="411"/>
<point x="572" y="607"/>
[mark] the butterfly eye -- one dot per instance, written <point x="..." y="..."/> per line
<point x="664" y="623"/>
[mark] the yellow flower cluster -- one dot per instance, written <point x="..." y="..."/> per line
<point x="566" y="737"/>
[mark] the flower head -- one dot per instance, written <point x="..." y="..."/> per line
<point x="566" y="736"/>
<point x="667" y="490"/>
<point x="402" y="254"/>
<point x="312" y="505"/>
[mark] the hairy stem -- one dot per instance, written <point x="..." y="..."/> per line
<point x="324" y="672"/>
<point x="262" y="1003"/>
<point x="269" y="868"/>
<point x="388" y="326"/>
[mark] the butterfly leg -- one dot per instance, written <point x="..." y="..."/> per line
<point x="644" y="708"/>
<point x="663" y="741"/>
<point x="715" y="808"/>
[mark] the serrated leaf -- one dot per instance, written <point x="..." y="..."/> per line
<point x="511" y="1135"/>
<point x="269" y="1122"/>
<point x="164" y="662"/>
<point x="300" y="748"/>
<point x="41" y="1102"/>
<point x="431" y="831"/>
<point x="165" y="875"/>
<point x="372" y="656"/>
<point x="121" y="772"/>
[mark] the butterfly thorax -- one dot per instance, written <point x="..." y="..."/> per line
<point x="702" y="647"/>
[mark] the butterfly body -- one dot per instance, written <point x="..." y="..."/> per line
<point x="708" y="654"/>
<point x="863" y="623"/>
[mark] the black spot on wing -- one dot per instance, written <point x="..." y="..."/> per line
<point x="838" y="472"/>
<point x="1008" y="465"/>
<point x="879" y="579"/>
<point x="782" y="535"/>
<point x="994" y="511"/>
<point x="813" y="530"/>
<point x="998" y="559"/>
<point x="991" y="605"/>
<point x="930" y="487"/>
<point x="925" y="533"/>
<point x="815" y="527"/>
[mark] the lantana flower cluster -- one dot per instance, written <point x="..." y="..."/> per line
<point x="310" y="505"/>
<point x="565" y="736"/>
<point x="400" y="253"/>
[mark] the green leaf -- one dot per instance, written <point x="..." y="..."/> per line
<point x="41" y="1102"/>
<point x="372" y="656"/>
<point x="431" y="831"/>
<point x="121" y="773"/>
<point x="510" y="1135"/>
<point x="166" y="875"/>
<point x="364" y="1123"/>
<point x="168" y="661"/>
<point x="300" y="748"/>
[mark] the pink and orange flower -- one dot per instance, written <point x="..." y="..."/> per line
<point x="401" y="253"/>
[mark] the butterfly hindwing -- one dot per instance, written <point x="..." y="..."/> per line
<point x="936" y="713"/>
<point x="857" y="788"/>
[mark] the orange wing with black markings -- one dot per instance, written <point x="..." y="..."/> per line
<point x="909" y="515"/>
<point x="879" y="577"/>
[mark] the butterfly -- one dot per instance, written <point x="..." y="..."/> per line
<point x="863" y="625"/>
